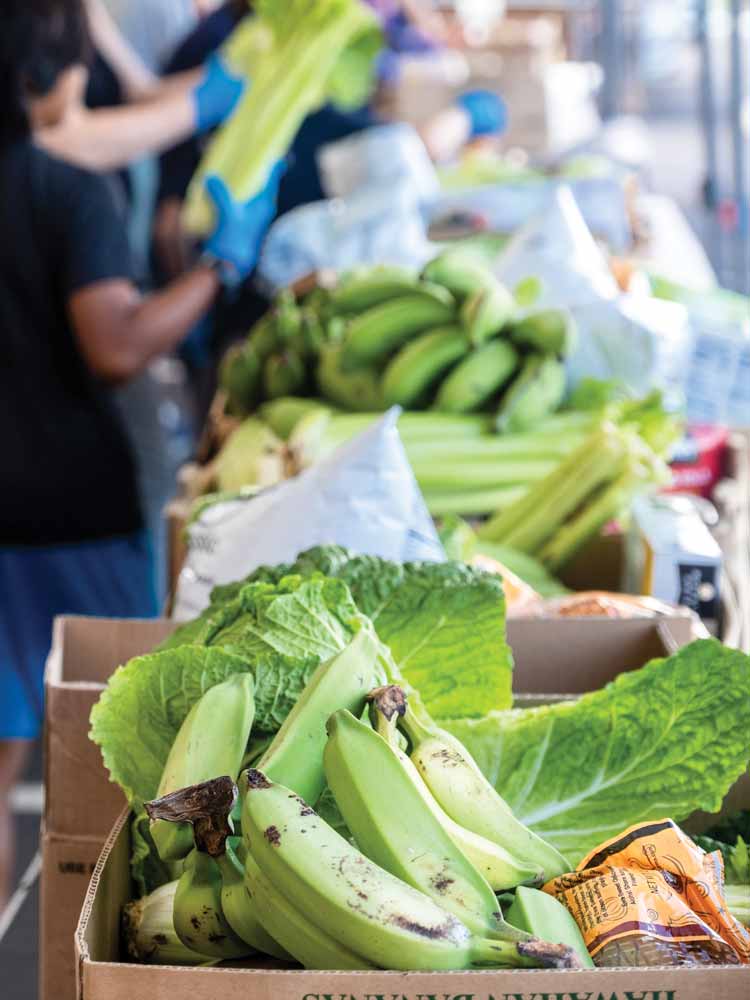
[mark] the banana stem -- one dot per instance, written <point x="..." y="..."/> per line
<point x="207" y="806"/>
<point x="530" y="954"/>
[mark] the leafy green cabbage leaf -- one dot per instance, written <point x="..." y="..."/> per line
<point x="444" y="623"/>
<point x="662" y="741"/>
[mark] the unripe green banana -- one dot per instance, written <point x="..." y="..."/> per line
<point x="477" y="378"/>
<point x="542" y="915"/>
<point x="239" y="377"/>
<point x="461" y="271"/>
<point x="487" y="312"/>
<point x="304" y="940"/>
<point x="375" y="334"/>
<point x="295" y="756"/>
<point x="198" y="916"/>
<point x="550" y="331"/>
<point x="537" y="392"/>
<point x="264" y="337"/>
<point x="460" y="788"/>
<point x="211" y="742"/>
<point x="239" y="909"/>
<point x="358" y="392"/>
<point x="371" y="288"/>
<point x="418" y="365"/>
<point x="393" y="826"/>
<point x="499" y="868"/>
<point x="284" y="374"/>
<point x="369" y="911"/>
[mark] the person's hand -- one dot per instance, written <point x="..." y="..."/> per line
<point x="486" y="112"/>
<point x="218" y="93"/>
<point x="240" y="228"/>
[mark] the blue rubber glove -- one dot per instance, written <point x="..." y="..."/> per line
<point x="217" y="94"/>
<point x="240" y="228"/>
<point x="487" y="112"/>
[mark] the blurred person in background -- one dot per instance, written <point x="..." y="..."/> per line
<point x="72" y="324"/>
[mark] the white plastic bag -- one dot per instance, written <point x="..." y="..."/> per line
<point x="364" y="496"/>
<point x="556" y="246"/>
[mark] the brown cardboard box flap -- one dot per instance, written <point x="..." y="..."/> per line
<point x="67" y="866"/>
<point x="80" y="800"/>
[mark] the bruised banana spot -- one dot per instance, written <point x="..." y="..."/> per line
<point x="160" y="939"/>
<point x="272" y="835"/>
<point x="256" y="779"/>
<point x="439" y="933"/>
<point x="195" y="923"/>
<point x="441" y="883"/>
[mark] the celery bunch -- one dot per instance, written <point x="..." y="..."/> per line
<point x="299" y="55"/>
<point x="590" y="487"/>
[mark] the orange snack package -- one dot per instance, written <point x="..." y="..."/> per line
<point x="652" y="897"/>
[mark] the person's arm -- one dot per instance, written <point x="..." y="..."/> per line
<point x="111" y="138"/>
<point x="119" y="332"/>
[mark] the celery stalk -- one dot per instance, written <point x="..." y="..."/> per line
<point x="496" y="448"/>
<point x="599" y="511"/>
<point x="475" y="503"/>
<point x="547" y="504"/>
<point x="470" y="474"/>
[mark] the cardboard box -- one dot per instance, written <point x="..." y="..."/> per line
<point x="80" y="800"/>
<point x="586" y="654"/>
<point x="67" y="866"/>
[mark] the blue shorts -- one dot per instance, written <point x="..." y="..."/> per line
<point x="113" y="578"/>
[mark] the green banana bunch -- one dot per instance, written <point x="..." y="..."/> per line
<point x="295" y="756"/>
<point x="542" y="915"/>
<point x="358" y="391"/>
<point x="238" y="907"/>
<point x="537" y="392"/>
<point x="376" y="333"/>
<point x="477" y="378"/>
<point x="239" y="377"/>
<point x="418" y="365"/>
<point x="369" y="911"/>
<point x="284" y="374"/>
<point x="393" y="826"/>
<point x="263" y="338"/>
<point x="550" y="331"/>
<point x="461" y="271"/>
<point x="460" y="788"/>
<point x="211" y="742"/>
<point x="499" y="868"/>
<point x="487" y="312"/>
<point x="308" y="943"/>
<point x="372" y="287"/>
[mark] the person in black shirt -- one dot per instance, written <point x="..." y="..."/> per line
<point x="72" y="323"/>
